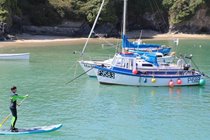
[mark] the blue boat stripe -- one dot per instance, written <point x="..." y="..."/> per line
<point x="147" y="76"/>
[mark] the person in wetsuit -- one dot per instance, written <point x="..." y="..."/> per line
<point x="13" y="105"/>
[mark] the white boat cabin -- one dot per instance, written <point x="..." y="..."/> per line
<point x="132" y="61"/>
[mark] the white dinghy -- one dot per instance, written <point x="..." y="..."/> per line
<point x="15" y="56"/>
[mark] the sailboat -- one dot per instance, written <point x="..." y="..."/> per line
<point x="161" y="51"/>
<point x="88" y="65"/>
<point x="144" y="70"/>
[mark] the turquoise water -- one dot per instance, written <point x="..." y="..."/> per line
<point x="92" y="111"/>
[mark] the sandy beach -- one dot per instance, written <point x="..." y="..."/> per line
<point x="181" y="36"/>
<point x="24" y="40"/>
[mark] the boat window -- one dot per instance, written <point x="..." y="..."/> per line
<point x="147" y="65"/>
<point x="159" y="56"/>
<point x="118" y="62"/>
<point x="164" y="64"/>
<point x="126" y="63"/>
<point x="131" y="63"/>
<point x="114" y="61"/>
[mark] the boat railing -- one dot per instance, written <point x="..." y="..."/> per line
<point x="99" y="58"/>
<point x="169" y="73"/>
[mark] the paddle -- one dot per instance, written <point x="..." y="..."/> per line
<point x="79" y="76"/>
<point x="8" y="116"/>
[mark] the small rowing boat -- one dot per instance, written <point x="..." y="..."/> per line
<point x="17" y="56"/>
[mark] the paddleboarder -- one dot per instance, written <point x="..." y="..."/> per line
<point x="13" y="107"/>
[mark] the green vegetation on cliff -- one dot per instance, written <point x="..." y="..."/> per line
<point x="53" y="12"/>
<point x="8" y="8"/>
<point x="88" y="10"/>
<point x="39" y="12"/>
<point x="181" y="10"/>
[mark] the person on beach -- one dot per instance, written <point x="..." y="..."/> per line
<point x="14" y="97"/>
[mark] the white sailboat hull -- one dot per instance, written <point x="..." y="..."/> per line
<point x="87" y="65"/>
<point x="19" y="56"/>
<point x="109" y="77"/>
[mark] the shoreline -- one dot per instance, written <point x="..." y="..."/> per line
<point x="181" y="36"/>
<point x="43" y="40"/>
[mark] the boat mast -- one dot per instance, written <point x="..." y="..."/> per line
<point x="124" y="22"/>
<point x="124" y="17"/>
<point x="93" y="27"/>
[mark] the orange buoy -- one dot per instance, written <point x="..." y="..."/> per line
<point x="179" y="81"/>
<point x="135" y="71"/>
<point x="171" y="83"/>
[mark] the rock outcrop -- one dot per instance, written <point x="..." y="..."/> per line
<point x="199" y="23"/>
<point x="106" y="30"/>
<point x="156" y="21"/>
<point x="4" y="32"/>
<point x="71" y="29"/>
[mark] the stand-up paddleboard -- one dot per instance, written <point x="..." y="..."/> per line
<point x="41" y="129"/>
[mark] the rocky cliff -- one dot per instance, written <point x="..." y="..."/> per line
<point x="198" y="23"/>
<point x="49" y="16"/>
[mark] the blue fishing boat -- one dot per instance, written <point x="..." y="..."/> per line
<point x="131" y="69"/>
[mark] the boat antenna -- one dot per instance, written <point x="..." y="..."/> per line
<point x="93" y="27"/>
